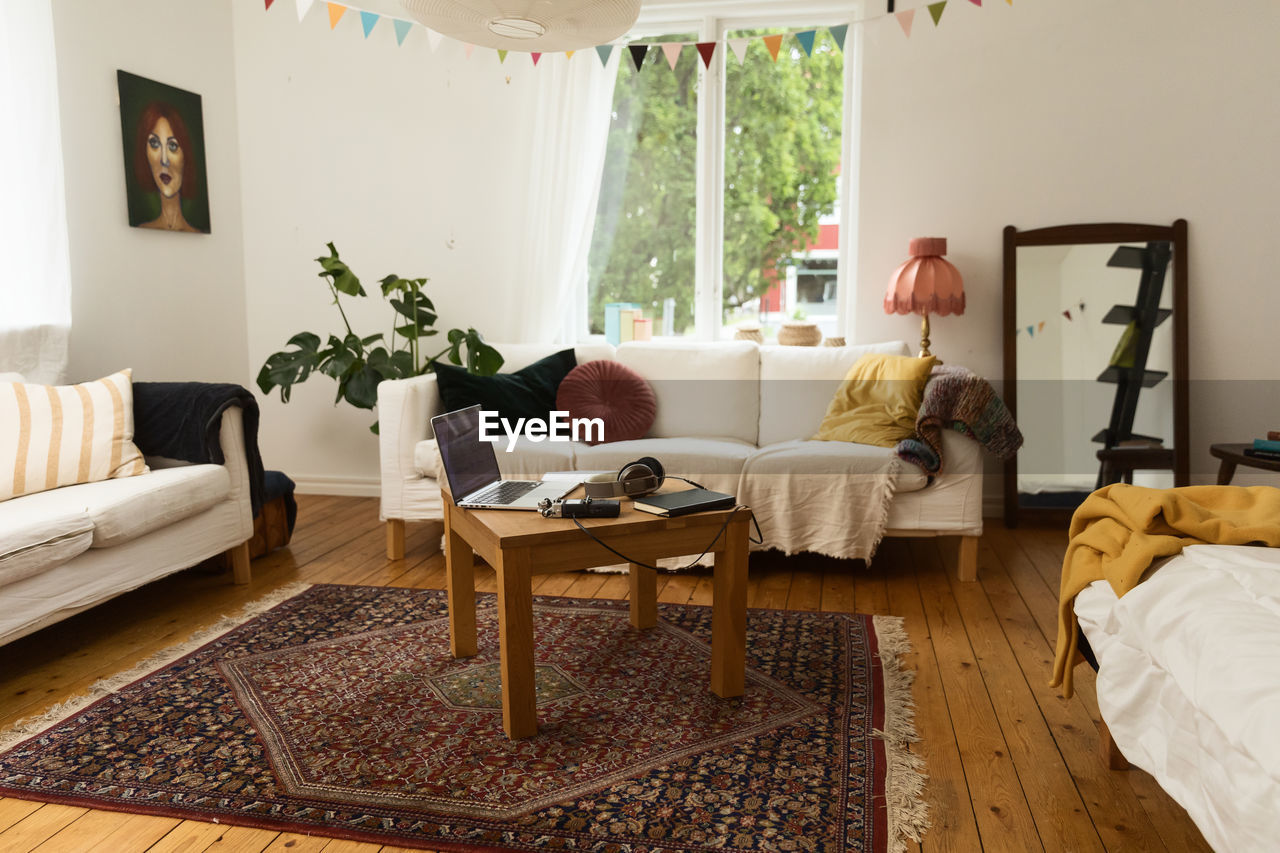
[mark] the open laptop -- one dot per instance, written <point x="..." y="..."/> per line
<point x="472" y="468"/>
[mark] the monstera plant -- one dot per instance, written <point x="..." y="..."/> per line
<point x="360" y="362"/>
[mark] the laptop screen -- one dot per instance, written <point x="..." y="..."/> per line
<point x="469" y="463"/>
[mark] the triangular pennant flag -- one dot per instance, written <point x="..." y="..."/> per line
<point x="905" y="18"/>
<point x="568" y="54"/>
<point x="1067" y="314"/>
<point x="806" y="41"/>
<point x="1040" y="326"/>
<point x="1031" y="330"/>
<point x="433" y="39"/>
<point x="605" y="51"/>
<point x="335" y="14"/>
<point x="402" y="29"/>
<point x="536" y="56"/>
<point x="935" y="9"/>
<point x="706" y="49"/>
<point x="467" y="48"/>
<point x="638" y="52"/>
<point x="304" y="6"/>
<point x="269" y="2"/>
<point x="773" y="43"/>
<point x="739" y="48"/>
<point x="672" y="50"/>
<point x="502" y="56"/>
<point x="369" y="20"/>
<point x="976" y="2"/>
<point x="838" y="34"/>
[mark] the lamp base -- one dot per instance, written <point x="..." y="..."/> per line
<point x="924" y="337"/>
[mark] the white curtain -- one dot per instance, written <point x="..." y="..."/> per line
<point x="566" y="160"/>
<point x="35" y="284"/>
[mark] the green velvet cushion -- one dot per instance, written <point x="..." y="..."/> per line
<point x="528" y="393"/>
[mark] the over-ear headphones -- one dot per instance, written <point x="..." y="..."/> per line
<point x="642" y="477"/>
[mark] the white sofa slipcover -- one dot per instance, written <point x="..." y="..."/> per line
<point x="734" y="416"/>
<point x="65" y="550"/>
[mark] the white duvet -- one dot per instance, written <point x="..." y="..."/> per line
<point x="1189" y="685"/>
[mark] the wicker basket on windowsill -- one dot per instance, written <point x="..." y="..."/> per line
<point x="799" y="334"/>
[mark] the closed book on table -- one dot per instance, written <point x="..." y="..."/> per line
<point x="1267" y="445"/>
<point x="672" y="504"/>
<point x="1273" y="455"/>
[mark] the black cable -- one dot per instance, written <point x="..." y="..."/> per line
<point x="713" y="541"/>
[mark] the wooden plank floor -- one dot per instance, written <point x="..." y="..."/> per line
<point x="1012" y="766"/>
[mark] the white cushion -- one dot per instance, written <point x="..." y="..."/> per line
<point x="797" y="384"/>
<point x="125" y="509"/>
<point x="529" y="460"/>
<point x="35" y="538"/>
<point x="516" y="356"/>
<point x="704" y="390"/>
<point x="715" y="463"/>
<point x="840" y="459"/>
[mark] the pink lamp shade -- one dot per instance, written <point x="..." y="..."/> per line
<point x="925" y="284"/>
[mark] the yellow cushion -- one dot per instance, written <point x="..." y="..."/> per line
<point x="878" y="401"/>
<point x="60" y="435"/>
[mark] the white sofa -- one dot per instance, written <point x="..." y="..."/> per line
<point x="67" y="549"/>
<point x="722" y="408"/>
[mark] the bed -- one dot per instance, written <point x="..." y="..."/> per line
<point x="1189" y="684"/>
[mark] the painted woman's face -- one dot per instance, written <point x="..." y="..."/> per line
<point x="165" y="156"/>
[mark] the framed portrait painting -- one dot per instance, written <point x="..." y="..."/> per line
<point x="162" y="129"/>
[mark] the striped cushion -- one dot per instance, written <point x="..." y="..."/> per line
<point x="60" y="435"/>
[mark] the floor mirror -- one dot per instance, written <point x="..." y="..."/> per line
<point x="1095" y="362"/>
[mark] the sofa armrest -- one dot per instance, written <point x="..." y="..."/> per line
<point x="236" y="460"/>
<point x="405" y="410"/>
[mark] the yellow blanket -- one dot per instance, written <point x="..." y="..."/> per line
<point x="1120" y="530"/>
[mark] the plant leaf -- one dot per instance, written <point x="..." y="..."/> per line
<point x="339" y="274"/>
<point x="362" y="388"/>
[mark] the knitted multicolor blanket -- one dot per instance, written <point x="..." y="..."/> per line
<point x="957" y="398"/>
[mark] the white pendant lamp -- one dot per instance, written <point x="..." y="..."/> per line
<point x="543" y="26"/>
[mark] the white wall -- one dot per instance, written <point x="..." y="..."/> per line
<point x="1066" y="111"/>
<point x="169" y="305"/>
<point x="407" y="160"/>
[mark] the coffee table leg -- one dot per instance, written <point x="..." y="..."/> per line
<point x="729" y="614"/>
<point x="644" y="596"/>
<point x="460" y="582"/>
<point x="515" y="639"/>
<point x="1226" y="470"/>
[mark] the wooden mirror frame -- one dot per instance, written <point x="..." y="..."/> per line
<point x="1108" y="232"/>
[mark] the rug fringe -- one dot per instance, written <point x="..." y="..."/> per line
<point x="30" y="726"/>
<point x="904" y="782"/>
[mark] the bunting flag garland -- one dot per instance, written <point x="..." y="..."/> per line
<point x="706" y="49"/>
<point x="838" y="34"/>
<point x="806" y="41"/>
<point x="773" y="43"/>
<point x="904" y="20"/>
<point x="1040" y="326"/>
<point x="1031" y="331"/>
<point x="672" y="51"/>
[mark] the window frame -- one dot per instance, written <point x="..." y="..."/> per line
<point x="711" y="21"/>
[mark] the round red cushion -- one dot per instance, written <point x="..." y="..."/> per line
<point x="616" y="394"/>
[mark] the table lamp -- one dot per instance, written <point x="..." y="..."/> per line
<point x="926" y="284"/>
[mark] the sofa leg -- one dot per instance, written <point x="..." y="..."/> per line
<point x="395" y="539"/>
<point x="240" y="562"/>
<point x="968" y="563"/>
<point x="1111" y="753"/>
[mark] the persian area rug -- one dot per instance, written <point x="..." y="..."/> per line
<point x="339" y="712"/>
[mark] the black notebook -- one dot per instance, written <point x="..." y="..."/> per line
<point x="683" y="503"/>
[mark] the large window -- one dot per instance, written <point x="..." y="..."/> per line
<point x="719" y="205"/>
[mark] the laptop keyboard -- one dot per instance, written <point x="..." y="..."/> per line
<point x="504" y="492"/>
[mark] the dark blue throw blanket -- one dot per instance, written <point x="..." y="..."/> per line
<point x="180" y="420"/>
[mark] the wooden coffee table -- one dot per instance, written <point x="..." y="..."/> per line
<point x="1233" y="455"/>
<point x="520" y="545"/>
